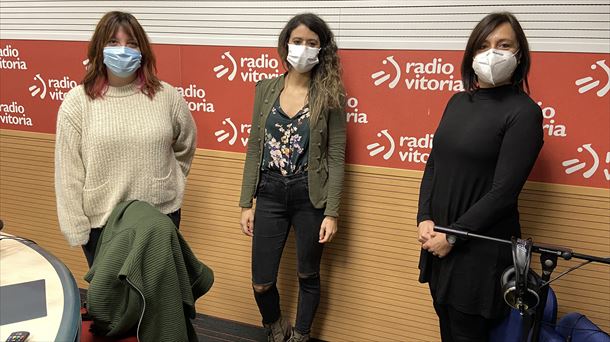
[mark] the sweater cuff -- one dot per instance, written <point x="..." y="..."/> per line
<point x="77" y="238"/>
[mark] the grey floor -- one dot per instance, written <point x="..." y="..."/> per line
<point x="212" y="329"/>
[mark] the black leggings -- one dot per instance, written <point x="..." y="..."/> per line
<point x="94" y="236"/>
<point x="283" y="202"/>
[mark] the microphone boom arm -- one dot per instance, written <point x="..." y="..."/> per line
<point x="548" y="260"/>
<point x="562" y="252"/>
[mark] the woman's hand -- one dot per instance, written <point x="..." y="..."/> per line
<point x="247" y="221"/>
<point x="438" y="245"/>
<point x="425" y="231"/>
<point x="328" y="229"/>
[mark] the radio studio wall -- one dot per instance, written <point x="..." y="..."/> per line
<point x="401" y="64"/>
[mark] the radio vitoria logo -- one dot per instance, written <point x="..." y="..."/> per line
<point x="411" y="149"/>
<point x="588" y="82"/>
<point x="376" y="148"/>
<point x="14" y="114"/>
<point x="248" y="68"/>
<point x="10" y="59"/>
<point x="232" y="132"/>
<point x="55" y="88"/>
<point x="195" y="97"/>
<point x="36" y="88"/>
<point x="431" y="75"/>
<point x="222" y="69"/>
<point x="576" y="164"/>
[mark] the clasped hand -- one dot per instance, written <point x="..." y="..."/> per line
<point x="433" y="242"/>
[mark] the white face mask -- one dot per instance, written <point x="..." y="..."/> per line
<point x="302" y="58"/>
<point x="494" y="66"/>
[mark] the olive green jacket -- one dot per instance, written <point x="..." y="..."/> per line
<point x="326" y="158"/>
<point x="145" y="276"/>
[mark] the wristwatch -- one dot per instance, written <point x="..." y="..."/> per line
<point x="451" y="239"/>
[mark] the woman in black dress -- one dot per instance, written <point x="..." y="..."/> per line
<point x="484" y="149"/>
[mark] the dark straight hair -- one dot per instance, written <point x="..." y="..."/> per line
<point x="477" y="38"/>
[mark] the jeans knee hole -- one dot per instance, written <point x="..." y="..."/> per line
<point x="261" y="288"/>
<point x="306" y="276"/>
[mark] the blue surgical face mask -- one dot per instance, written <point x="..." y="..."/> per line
<point x="122" y="60"/>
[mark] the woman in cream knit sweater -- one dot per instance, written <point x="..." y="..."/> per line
<point x="122" y="134"/>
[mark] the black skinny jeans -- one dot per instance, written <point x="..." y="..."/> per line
<point x="283" y="202"/>
<point x="94" y="236"/>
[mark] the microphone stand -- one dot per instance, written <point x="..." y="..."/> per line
<point x="548" y="259"/>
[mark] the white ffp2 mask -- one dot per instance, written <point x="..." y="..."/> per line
<point x="494" y="66"/>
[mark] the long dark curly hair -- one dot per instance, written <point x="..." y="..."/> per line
<point x="326" y="89"/>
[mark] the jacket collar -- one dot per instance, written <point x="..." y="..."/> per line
<point x="270" y="93"/>
<point x="277" y="86"/>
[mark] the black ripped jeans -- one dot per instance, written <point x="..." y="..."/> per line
<point x="283" y="202"/>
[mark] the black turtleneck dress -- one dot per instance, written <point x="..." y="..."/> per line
<point x="483" y="151"/>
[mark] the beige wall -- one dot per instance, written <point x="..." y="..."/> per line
<point x="370" y="288"/>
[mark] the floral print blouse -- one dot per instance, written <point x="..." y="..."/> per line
<point x="286" y="141"/>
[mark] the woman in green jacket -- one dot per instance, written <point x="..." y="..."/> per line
<point x="294" y="167"/>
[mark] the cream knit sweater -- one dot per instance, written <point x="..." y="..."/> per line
<point x="120" y="147"/>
